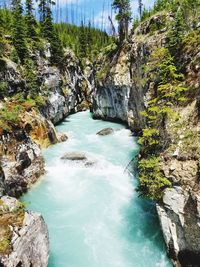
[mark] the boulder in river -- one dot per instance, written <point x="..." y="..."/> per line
<point x="74" y="156"/>
<point x="62" y="137"/>
<point x="106" y="131"/>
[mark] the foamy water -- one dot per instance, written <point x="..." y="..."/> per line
<point x="94" y="215"/>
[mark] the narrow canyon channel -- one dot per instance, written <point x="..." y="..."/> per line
<point x="93" y="213"/>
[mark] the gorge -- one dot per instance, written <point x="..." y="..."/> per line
<point x="143" y="95"/>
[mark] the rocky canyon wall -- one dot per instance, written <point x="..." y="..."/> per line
<point x="123" y="93"/>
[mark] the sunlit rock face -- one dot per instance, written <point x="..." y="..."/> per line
<point x="29" y="237"/>
<point x="22" y="162"/>
<point x="179" y="216"/>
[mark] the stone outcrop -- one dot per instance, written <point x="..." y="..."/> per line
<point x="22" y="162"/>
<point x="68" y="90"/>
<point x="180" y="218"/>
<point x="29" y="238"/>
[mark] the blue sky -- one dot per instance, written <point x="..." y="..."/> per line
<point x="95" y="10"/>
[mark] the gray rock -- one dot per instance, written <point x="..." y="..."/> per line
<point x="179" y="217"/>
<point x="106" y="131"/>
<point x="30" y="244"/>
<point x="62" y="137"/>
<point x="74" y="156"/>
<point x="22" y="163"/>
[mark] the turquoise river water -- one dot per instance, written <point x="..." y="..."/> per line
<point x="93" y="213"/>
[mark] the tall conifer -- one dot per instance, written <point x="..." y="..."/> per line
<point x="30" y="20"/>
<point x="83" y="41"/>
<point x="140" y="6"/>
<point x="19" y="30"/>
<point x="123" y="16"/>
<point x="177" y="32"/>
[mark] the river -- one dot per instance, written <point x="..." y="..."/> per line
<point x="93" y="213"/>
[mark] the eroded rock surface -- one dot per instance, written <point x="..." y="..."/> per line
<point x="180" y="220"/>
<point x="29" y="238"/>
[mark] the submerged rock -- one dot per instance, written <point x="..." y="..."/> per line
<point x="62" y="137"/>
<point x="74" y="156"/>
<point x="106" y="131"/>
<point x="80" y="157"/>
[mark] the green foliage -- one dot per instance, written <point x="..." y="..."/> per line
<point x="48" y="32"/>
<point x="3" y="89"/>
<point x="149" y="138"/>
<point x="14" y="56"/>
<point x="30" y="74"/>
<point x="123" y="16"/>
<point x="4" y="244"/>
<point x="191" y="42"/>
<point x="31" y="23"/>
<point x="2" y="43"/>
<point x="19" y="30"/>
<point x="136" y="23"/>
<point x="187" y="14"/>
<point x="83" y="40"/>
<point x="162" y="68"/>
<point x="177" y="32"/>
<point x="168" y="91"/>
<point x="9" y="116"/>
<point x="152" y="180"/>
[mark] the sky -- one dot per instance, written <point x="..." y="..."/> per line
<point x="97" y="11"/>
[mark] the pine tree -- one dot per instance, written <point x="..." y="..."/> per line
<point x="42" y="10"/>
<point x="89" y="38"/>
<point x="123" y="17"/>
<point x="30" y="20"/>
<point x="1" y="36"/>
<point x="19" y="30"/>
<point x="48" y="31"/>
<point x="31" y="79"/>
<point x="140" y="5"/>
<point x="82" y="42"/>
<point x="177" y="32"/>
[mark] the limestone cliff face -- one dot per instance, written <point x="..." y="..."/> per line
<point x="179" y="216"/>
<point x="22" y="162"/>
<point x="68" y="89"/>
<point x="115" y="96"/>
<point x="64" y="91"/>
<point x="122" y="93"/>
<point x="29" y="245"/>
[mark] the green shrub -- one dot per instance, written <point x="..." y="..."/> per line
<point x="152" y="180"/>
<point x="3" y="89"/>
